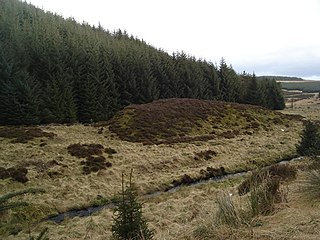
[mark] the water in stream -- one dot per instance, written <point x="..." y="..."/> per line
<point x="90" y="210"/>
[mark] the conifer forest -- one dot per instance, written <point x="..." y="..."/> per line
<point x="56" y="70"/>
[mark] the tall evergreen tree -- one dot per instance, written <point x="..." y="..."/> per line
<point x="310" y="139"/>
<point x="19" y="100"/>
<point x="210" y="74"/>
<point x="229" y="83"/>
<point x="147" y="85"/>
<point x="274" y="96"/>
<point x="253" y="94"/>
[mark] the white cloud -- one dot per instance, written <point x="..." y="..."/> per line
<point x="269" y="34"/>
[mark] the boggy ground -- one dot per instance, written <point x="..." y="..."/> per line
<point x="155" y="166"/>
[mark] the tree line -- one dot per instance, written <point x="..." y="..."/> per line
<point x="56" y="70"/>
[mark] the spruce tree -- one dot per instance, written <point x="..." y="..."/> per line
<point x="310" y="140"/>
<point x="19" y="100"/>
<point x="274" y="96"/>
<point x="253" y="94"/>
<point x="129" y="223"/>
<point x="210" y="75"/>
<point x="229" y="83"/>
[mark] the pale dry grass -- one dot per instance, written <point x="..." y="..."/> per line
<point x="171" y="215"/>
<point x="192" y="209"/>
<point x="309" y="108"/>
<point x="155" y="166"/>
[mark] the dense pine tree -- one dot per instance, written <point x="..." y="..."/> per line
<point x="310" y="139"/>
<point x="229" y="83"/>
<point x="274" y="97"/>
<point x="253" y="94"/>
<point x="19" y="100"/>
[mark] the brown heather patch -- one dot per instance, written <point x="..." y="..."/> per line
<point x="229" y="134"/>
<point x="38" y="165"/>
<point x="93" y="154"/>
<point x="18" y="174"/>
<point x="110" y="151"/>
<point x="24" y="134"/>
<point x="210" y="172"/>
<point x="284" y="171"/>
<point x="205" y="155"/>
<point x="187" y="120"/>
<point x="85" y="150"/>
<point x="94" y="164"/>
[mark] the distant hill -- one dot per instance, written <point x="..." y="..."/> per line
<point x="305" y="86"/>
<point x="280" y="78"/>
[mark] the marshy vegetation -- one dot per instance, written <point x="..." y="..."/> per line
<point x="61" y="167"/>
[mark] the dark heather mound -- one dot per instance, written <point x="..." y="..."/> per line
<point x="24" y="134"/>
<point x="186" y="120"/>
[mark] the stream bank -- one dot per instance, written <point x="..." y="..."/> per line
<point x="92" y="209"/>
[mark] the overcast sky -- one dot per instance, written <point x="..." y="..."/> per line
<point x="268" y="37"/>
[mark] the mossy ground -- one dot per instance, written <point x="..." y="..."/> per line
<point x="171" y="215"/>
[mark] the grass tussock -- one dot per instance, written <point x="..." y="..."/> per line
<point x="263" y="197"/>
<point x="315" y="163"/>
<point x="39" y="165"/>
<point x="228" y="213"/>
<point x="241" y="215"/>
<point x="312" y="185"/>
<point x="283" y="172"/>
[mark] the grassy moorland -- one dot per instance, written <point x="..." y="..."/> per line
<point x="81" y="165"/>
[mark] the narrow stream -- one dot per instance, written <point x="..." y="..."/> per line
<point x="90" y="210"/>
